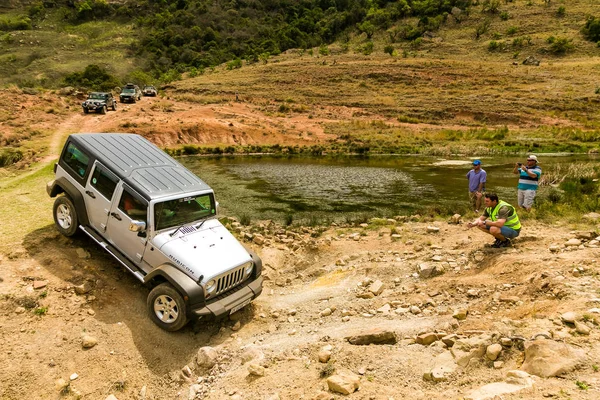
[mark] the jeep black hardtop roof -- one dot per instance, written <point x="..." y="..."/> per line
<point x="140" y="164"/>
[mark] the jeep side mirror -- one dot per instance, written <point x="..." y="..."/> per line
<point x="137" y="226"/>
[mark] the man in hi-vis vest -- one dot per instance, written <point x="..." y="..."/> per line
<point x="499" y="219"/>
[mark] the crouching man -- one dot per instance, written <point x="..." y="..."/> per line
<point x="499" y="219"/>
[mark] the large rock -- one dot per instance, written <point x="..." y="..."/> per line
<point x="516" y="381"/>
<point x="376" y="287"/>
<point x="464" y="350"/>
<point x="429" y="270"/>
<point x="531" y="60"/>
<point x="344" y="383"/>
<point x="207" y="357"/>
<point x="547" y="358"/>
<point x="443" y="366"/>
<point x="373" y="336"/>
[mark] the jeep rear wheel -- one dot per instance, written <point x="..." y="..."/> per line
<point x="167" y="308"/>
<point x="114" y="107"/>
<point x="65" y="216"/>
<point x="103" y="110"/>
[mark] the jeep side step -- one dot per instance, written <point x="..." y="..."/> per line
<point x="115" y="253"/>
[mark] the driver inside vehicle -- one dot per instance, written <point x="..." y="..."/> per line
<point x="133" y="207"/>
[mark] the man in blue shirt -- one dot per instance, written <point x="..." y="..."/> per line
<point x="477" y="178"/>
<point x="529" y="178"/>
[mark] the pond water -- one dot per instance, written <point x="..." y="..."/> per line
<point x="342" y="188"/>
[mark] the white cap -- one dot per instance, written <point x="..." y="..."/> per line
<point x="532" y="157"/>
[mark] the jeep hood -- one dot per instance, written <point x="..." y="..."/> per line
<point x="208" y="251"/>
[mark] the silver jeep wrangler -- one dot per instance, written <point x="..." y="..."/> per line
<point x="159" y="220"/>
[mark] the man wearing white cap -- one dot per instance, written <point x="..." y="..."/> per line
<point x="529" y="178"/>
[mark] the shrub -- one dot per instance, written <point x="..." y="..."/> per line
<point x="504" y="16"/>
<point x="10" y="156"/>
<point x="324" y="50"/>
<point x="559" y="45"/>
<point x="512" y="30"/>
<point x="234" y="64"/>
<point x="561" y="11"/>
<point x="20" y="24"/>
<point x="591" y="30"/>
<point x="490" y="6"/>
<point x="493" y="45"/>
<point x="367" y="48"/>
<point x="93" y="77"/>
<point x="389" y="49"/>
<point x="482" y="28"/>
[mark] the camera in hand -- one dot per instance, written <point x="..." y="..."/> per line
<point x="519" y="164"/>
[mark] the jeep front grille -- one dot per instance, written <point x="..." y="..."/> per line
<point x="230" y="280"/>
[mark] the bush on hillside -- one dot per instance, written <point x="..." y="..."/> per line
<point x="559" y="45"/>
<point x="19" y="24"/>
<point x="591" y="30"/>
<point x="93" y="77"/>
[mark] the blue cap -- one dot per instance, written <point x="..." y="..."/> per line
<point x="476" y="162"/>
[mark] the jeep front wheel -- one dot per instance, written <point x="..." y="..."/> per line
<point x="103" y="110"/>
<point x="167" y="308"/>
<point x="114" y="107"/>
<point x="65" y="216"/>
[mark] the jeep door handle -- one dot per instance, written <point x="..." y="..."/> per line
<point x="117" y="216"/>
<point x="90" y="193"/>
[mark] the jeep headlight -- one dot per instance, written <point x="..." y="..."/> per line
<point x="211" y="286"/>
<point x="248" y="268"/>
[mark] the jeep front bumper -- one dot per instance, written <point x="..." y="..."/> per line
<point x="232" y="303"/>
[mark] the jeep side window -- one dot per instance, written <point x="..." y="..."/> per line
<point x="133" y="207"/>
<point x="104" y="181"/>
<point x="76" y="159"/>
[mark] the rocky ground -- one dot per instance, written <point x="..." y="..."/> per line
<point x="396" y="309"/>
<point x="407" y="308"/>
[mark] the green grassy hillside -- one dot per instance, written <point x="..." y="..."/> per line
<point x="40" y="43"/>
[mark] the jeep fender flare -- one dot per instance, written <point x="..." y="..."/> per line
<point x="257" y="263"/>
<point x="62" y="185"/>
<point x="191" y="291"/>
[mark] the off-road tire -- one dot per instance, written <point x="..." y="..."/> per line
<point x="86" y="111"/>
<point x="103" y="110"/>
<point x="65" y="216"/>
<point x="167" y="308"/>
<point x="114" y="106"/>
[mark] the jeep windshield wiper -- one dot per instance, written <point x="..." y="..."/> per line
<point x="177" y="230"/>
<point x="200" y="224"/>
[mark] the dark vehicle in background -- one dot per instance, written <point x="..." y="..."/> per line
<point x="149" y="91"/>
<point x="130" y="93"/>
<point x="99" y="102"/>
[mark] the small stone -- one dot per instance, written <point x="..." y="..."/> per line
<point x="19" y="310"/>
<point x="582" y="328"/>
<point x="206" y="357"/>
<point x="554" y="248"/>
<point x="61" y="385"/>
<point x="256" y="369"/>
<point x="433" y="229"/>
<point x="573" y="242"/>
<point x="498" y="364"/>
<point x="236" y="326"/>
<point x="324" y="356"/>
<point x="569" y="317"/>
<point x="344" y="383"/>
<point x="460" y="314"/>
<point x="186" y="371"/>
<point x="39" y="284"/>
<point x="415" y="310"/>
<point x="376" y="287"/>
<point x="73" y="376"/>
<point x="326" y="312"/>
<point x="82" y="253"/>
<point x="111" y="397"/>
<point x="426" y="338"/>
<point x="493" y="351"/>
<point x="87" y="341"/>
<point x="84" y="288"/>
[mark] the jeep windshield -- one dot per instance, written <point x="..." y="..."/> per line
<point x="182" y="211"/>
<point x="97" y="96"/>
<point x="127" y="91"/>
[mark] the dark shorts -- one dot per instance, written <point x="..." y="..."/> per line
<point x="507" y="232"/>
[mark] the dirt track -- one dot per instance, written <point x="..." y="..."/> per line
<point x="517" y="292"/>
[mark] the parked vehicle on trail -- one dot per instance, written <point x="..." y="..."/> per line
<point x="130" y="93"/>
<point x="159" y="221"/>
<point x="99" y="102"/>
<point x="149" y="91"/>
